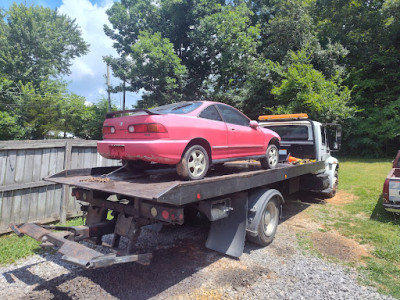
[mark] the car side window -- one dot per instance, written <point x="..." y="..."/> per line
<point x="210" y="113"/>
<point x="231" y="115"/>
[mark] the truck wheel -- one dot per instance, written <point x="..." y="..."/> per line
<point x="271" y="157"/>
<point x="335" y="185"/>
<point x="268" y="224"/>
<point x="194" y="163"/>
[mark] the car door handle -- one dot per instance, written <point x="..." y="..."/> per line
<point x="233" y="129"/>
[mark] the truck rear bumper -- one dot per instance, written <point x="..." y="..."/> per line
<point x="73" y="252"/>
<point x="392" y="207"/>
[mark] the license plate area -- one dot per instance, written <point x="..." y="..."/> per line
<point x="117" y="150"/>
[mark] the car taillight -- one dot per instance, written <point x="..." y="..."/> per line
<point x="108" y="130"/>
<point x="151" y="127"/>
<point x="385" y="194"/>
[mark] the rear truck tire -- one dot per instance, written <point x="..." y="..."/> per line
<point x="335" y="185"/>
<point x="136" y="165"/>
<point x="268" y="224"/>
<point x="270" y="161"/>
<point x="194" y="163"/>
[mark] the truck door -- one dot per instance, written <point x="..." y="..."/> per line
<point x="324" y="152"/>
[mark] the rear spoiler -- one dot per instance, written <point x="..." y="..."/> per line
<point x="112" y="114"/>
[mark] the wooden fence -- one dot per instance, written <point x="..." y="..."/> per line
<point x="24" y="195"/>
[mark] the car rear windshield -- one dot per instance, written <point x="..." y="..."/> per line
<point x="291" y="132"/>
<point x="176" y="108"/>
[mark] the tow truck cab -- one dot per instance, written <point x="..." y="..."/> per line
<point x="303" y="138"/>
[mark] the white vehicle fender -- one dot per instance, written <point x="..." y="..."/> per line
<point x="331" y="165"/>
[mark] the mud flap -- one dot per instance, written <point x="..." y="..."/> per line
<point x="228" y="235"/>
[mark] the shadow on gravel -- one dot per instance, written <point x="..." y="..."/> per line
<point x="125" y="281"/>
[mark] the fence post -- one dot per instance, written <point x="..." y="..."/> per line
<point x="65" y="192"/>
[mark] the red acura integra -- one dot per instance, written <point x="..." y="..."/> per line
<point x="191" y="135"/>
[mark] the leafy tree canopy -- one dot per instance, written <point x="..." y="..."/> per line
<point x="304" y="89"/>
<point x="37" y="42"/>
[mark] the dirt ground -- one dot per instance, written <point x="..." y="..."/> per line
<point x="328" y="243"/>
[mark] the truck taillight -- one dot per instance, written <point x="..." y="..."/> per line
<point x="108" y="130"/>
<point x="144" y="128"/>
<point x="385" y="194"/>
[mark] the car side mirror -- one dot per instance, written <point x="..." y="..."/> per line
<point x="253" y="124"/>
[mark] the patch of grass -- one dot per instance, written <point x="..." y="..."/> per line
<point x="366" y="221"/>
<point x="305" y="242"/>
<point x="13" y="248"/>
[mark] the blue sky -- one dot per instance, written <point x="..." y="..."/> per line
<point x="87" y="72"/>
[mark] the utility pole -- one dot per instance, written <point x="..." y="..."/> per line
<point x="108" y="88"/>
<point x="123" y="98"/>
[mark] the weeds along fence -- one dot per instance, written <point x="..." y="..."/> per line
<point x="24" y="195"/>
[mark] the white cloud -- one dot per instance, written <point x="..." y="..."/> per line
<point x="87" y="72"/>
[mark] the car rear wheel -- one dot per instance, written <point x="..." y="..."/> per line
<point x="194" y="163"/>
<point x="270" y="161"/>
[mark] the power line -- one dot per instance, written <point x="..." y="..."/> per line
<point x="40" y="95"/>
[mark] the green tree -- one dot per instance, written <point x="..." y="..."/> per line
<point x="49" y="108"/>
<point x="10" y="129"/>
<point x="37" y="42"/>
<point x="370" y="31"/>
<point x="173" y="20"/>
<point x="156" y="69"/>
<point x="73" y="116"/>
<point x="304" y="89"/>
<point x="227" y="43"/>
<point x="94" y="125"/>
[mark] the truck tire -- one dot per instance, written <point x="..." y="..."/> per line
<point x="268" y="224"/>
<point x="194" y="163"/>
<point x="270" y="161"/>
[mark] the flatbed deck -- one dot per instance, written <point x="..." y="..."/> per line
<point x="164" y="186"/>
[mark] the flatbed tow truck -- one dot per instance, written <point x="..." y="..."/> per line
<point x="240" y="199"/>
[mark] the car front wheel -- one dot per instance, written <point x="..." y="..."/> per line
<point x="194" y="163"/>
<point x="270" y="161"/>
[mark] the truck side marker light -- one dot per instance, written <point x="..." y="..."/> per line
<point x="198" y="196"/>
<point x="285" y="176"/>
<point x="165" y="214"/>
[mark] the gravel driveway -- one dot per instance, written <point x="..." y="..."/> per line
<point x="182" y="268"/>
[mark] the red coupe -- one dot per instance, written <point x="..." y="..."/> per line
<point x="191" y="135"/>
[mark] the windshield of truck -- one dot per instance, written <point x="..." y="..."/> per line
<point x="291" y="132"/>
<point x="176" y="108"/>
